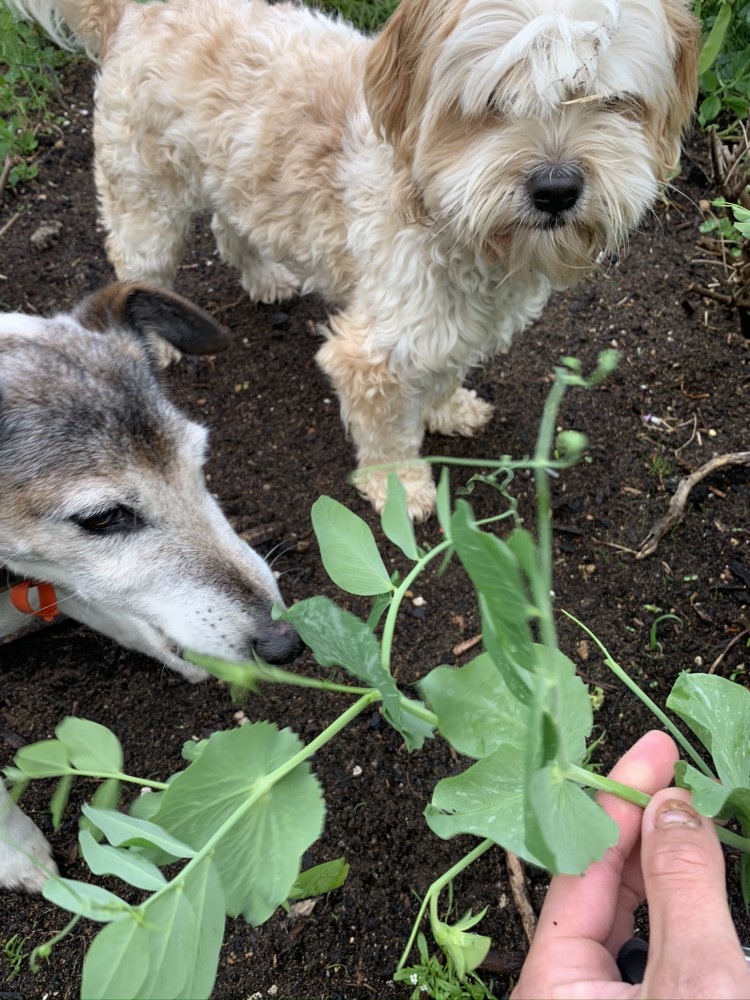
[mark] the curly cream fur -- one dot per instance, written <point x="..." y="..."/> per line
<point x="394" y="176"/>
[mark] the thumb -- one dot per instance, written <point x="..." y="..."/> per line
<point x="693" y="949"/>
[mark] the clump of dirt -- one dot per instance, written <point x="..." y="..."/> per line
<point x="678" y="396"/>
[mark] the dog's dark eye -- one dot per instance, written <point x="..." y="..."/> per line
<point x="115" y="520"/>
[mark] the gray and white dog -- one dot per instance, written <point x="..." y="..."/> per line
<point x="102" y="497"/>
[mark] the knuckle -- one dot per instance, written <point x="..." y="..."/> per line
<point x="686" y="860"/>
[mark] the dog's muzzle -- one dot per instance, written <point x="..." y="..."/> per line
<point x="554" y="190"/>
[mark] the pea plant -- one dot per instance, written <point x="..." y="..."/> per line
<point x="225" y="835"/>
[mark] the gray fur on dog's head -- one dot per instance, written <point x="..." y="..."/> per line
<point x="102" y="490"/>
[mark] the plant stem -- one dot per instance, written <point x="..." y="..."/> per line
<point x="389" y="625"/>
<point x="583" y="777"/>
<point x="503" y="463"/>
<point x="43" y="950"/>
<point x="118" y="776"/>
<point x="541" y="580"/>
<point x="639" y="693"/>
<point x="243" y="674"/>
<point x="733" y="839"/>
<point x="434" y="891"/>
<point x="240" y="673"/>
<point x="593" y="780"/>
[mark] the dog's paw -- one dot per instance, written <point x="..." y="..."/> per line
<point x="464" y="413"/>
<point x="270" y="283"/>
<point x="25" y="856"/>
<point x="418" y="483"/>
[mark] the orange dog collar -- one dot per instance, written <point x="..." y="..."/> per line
<point x="19" y="598"/>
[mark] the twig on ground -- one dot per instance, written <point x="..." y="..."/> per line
<point x="722" y="297"/>
<point x="676" y="510"/>
<point x="614" y="545"/>
<point x="7" y="167"/>
<point x="517" y="877"/>
<point x="9" y="223"/>
<point x="720" y="657"/>
<point x="466" y="645"/>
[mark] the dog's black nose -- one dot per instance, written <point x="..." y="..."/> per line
<point x="278" y="643"/>
<point x="555" y="189"/>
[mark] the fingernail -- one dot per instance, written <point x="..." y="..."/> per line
<point x="675" y="812"/>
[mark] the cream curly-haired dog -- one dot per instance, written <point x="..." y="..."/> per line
<point x="433" y="183"/>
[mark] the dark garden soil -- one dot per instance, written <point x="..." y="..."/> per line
<point x="679" y="395"/>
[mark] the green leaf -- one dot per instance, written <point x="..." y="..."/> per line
<point x="443" y="502"/>
<point x="564" y="826"/>
<point x="322" y="878"/>
<point x="492" y="798"/>
<point x="475" y="709"/>
<point x="338" y="638"/>
<point x="556" y="808"/>
<point x="124" y="864"/>
<point x="45" y="759"/>
<point x="126" y="831"/>
<point x="168" y="949"/>
<point x="60" y="799"/>
<point x="709" y="797"/>
<point x="709" y="108"/>
<point x="380" y="605"/>
<point x="496" y="573"/>
<point x="348" y="549"/>
<point x="267" y="820"/>
<point x="712" y="45"/>
<point x="106" y="796"/>
<point x="395" y="521"/>
<point x="745" y="880"/>
<point x="91" y="901"/>
<point x="467" y="951"/>
<point x="204" y="894"/>
<point x="91" y="747"/>
<point x="487" y="800"/>
<point x="718" y="712"/>
<point x="146" y="805"/>
<point x="191" y="750"/>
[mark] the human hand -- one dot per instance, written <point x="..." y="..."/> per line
<point x="666" y="853"/>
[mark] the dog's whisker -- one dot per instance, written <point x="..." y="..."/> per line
<point x="279" y="550"/>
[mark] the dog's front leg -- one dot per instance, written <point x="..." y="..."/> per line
<point x="25" y="856"/>
<point x="384" y="412"/>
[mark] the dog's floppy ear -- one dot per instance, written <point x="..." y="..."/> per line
<point x="682" y="95"/>
<point x="399" y="65"/>
<point x="147" y="312"/>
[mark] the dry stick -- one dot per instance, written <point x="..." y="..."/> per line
<point x="466" y="645"/>
<point x="7" y="166"/>
<point x="9" y="223"/>
<point x="728" y="646"/>
<point x="517" y="877"/>
<point x="676" y="510"/>
<point x="722" y="297"/>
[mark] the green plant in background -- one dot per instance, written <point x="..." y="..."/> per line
<point x="439" y="980"/>
<point x="367" y="15"/>
<point x="724" y="62"/>
<point x="653" y="643"/>
<point x="29" y="92"/>
<point x="14" y="950"/>
<point x="724" y="76"/>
